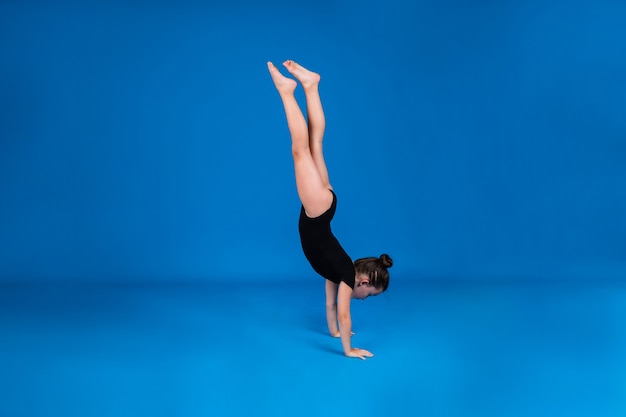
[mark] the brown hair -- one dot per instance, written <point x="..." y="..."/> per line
<point x="375" y="269"/>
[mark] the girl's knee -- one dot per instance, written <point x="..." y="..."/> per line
<point x="299" y="152"/>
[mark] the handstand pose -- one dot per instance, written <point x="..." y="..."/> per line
<point x="344" y="280"/>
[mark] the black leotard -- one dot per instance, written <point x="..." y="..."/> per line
<point x="322" y="249"/>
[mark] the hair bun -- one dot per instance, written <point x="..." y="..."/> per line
<point x="386" y="260"/>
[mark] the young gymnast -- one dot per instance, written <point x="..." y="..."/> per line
<point x="344" y="280"/>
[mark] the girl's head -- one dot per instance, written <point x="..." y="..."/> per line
<point x="372" y="277"/>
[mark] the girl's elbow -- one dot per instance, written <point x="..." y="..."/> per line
<point x="343" y="317"/>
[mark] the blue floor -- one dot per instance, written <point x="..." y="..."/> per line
<point x="442" y="349"/>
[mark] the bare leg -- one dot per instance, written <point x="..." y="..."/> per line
<point x="314" y="194"/>
<point x="315" y="114"/>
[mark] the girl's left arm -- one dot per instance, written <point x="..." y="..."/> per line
<point x="344" y="297"/>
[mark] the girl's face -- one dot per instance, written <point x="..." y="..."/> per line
<point x="362" y="290"/>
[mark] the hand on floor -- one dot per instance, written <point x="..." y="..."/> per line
<point x="359" y="353"/>
<point x="337" y="334"/>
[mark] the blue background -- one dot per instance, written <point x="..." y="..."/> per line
<point x="146" y="141"/>
<point x="149" y="257"/>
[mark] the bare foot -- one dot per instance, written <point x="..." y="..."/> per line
<point x="283" y="84"/>
<point x="306" y="77"/>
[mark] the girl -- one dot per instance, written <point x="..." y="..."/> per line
<point x="344" y="280"/>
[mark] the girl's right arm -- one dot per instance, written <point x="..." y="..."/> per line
<point x="331" y="308"/>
